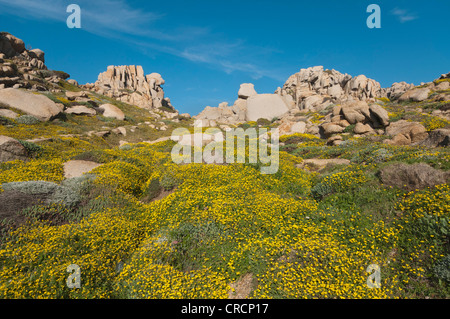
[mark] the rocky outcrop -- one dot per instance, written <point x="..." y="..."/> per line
<point x="314" y="88"/>
<point x="250" y="106"/>
<point x="127" y="83"/>
<point x="397" y="89"/>
<point x="37" y="105"/>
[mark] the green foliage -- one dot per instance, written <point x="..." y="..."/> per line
<point x="442" y="269"/>
<point x="33" y="149"/>
<point x="350" y="128"/>
<point x="27" y="120"/>
<point x="263" y="122"/>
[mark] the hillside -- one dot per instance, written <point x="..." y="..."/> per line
<point x="87" y="178"/>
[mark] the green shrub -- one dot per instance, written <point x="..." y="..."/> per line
<point x="32" y="148"/>
<point x="31" y="187"/>
<point x="5" y="121"/>
<point x="27" y="120"/>
<point x="442" y="269"/>
<point x="263" y="122"/>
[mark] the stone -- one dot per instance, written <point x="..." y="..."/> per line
<point x="17" y="44"/>
<point x="330" y="128"/>
<point x="416" y="95"/>
<point x="355" y="112"/>
<point x="37" y="105"/>
<point x="8" y="113"/>
<point x="112" y="111"/>
<point x="320" y="164"/>
<point x="380" y="114"/>
<point x="77" y="168"/>
<point x="398" y="89"/>
<point x="411" y="177"/>
<point x="437" y="138"/>
<point x="246" y="90"/>
<point x="80" y="110"/>
<point x="73" y="82"/>
<point x="267" y="106"/>
<point x="311" y="102"/>
<point x="335" y="140"/>
<point x="362" y="128"/>
<point x="40" y="55"/>
<point x="443" y="86"/>
<point x="11" y="150"/>
<point x="72" y="95"/>
<point x="412" y="131"/>
<point x="299" y="127"/>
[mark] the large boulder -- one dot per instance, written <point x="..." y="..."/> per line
<point x="6" y="46"/>
<point x="379" y="114"/>
<point x="112" y="111"/>
<point x="8" y="113"/>
<point x="405" y="133"/>
<point x="40" y="55"/>
<point x="80" y="110"/>
<point x="266" y="106"/>
<point x="246" y="90"/>
<point x="37" y="105"/>
<point x="11" y="149"/>
<point x="412" y="176"/>
<point x="354" y="111"/>
<point x="331" y="128"/>
<point x="416" y="95"/>
<point x="17" y="44"/>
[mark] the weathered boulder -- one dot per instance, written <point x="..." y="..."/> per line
<point x="246" y="90"/>
<point x="416" y="95"/>
<point x="40" y="55"/>
<point x="112" y="111"/>
<point x="380" y="114"/>
<point x="37" y="105"/>
<point x="80" y="110"/>
<point x="72" y="95"/>
<point x="413" y="176"/>
<point x="8" y="113"/>
<point x="331" y="128"/>
<point x="405" y="133"/>
<point x="11" y="149"/>
<point x="362" y="128"/>
<point x="267" y="106"/>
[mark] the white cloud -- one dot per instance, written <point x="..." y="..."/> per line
<point x="403" y="15"/>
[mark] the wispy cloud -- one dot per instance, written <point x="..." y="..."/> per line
<point x="118" y="20"/>
<point x="403" y="15"/>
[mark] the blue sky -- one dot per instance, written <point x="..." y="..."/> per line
<point x="206" y="49"/>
